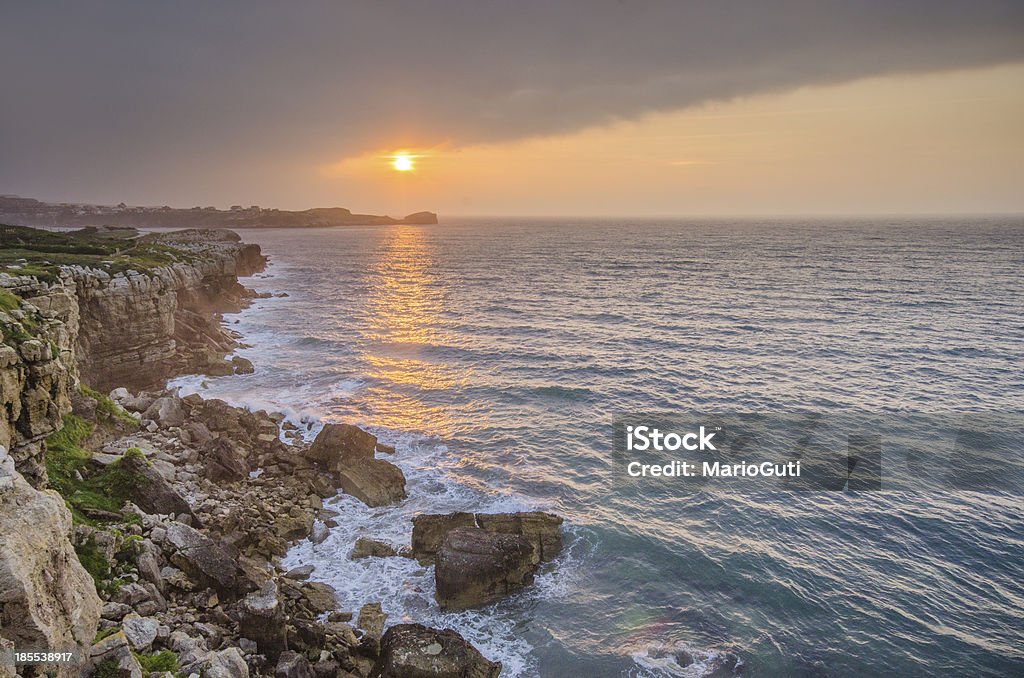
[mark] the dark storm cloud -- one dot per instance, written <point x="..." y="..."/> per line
<point x="107" y="91"/>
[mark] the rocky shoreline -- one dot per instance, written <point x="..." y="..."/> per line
<point x="160" y="550"/>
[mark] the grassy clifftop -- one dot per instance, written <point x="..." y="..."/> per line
<point x="38" y="253"/>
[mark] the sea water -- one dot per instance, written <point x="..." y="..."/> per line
<point x="495" y="353"/>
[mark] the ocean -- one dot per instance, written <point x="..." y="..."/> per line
<point x="495" y="354"/>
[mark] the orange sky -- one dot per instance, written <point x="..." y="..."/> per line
<point x="932" y="143"/>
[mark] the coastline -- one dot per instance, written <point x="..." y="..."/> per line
<point x="181" y="561"/>
<point x="404" y="588"/>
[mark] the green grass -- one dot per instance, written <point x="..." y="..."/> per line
<point x="106" y="489"/>
<point x="164" y="660"/>
<point x="94" y="562"/>
<point x="64" y="454"/>
<point x="8" y="300"/>
<point x="16" y="331"/>
<point x="105" y="633"/>
<point x="107" y="407"/>
<point x="15" y="334"/>
<point x="107" y="669"/>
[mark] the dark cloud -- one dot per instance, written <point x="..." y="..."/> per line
<point x="137" y="93"/>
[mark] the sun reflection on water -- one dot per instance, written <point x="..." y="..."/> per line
<point x="405" y="300"/>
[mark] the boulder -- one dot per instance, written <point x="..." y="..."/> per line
<point x="416" y="651"/>
<point x="47" y="599"/>
<point x="83" y="406"/>
<point x="261" y="619"/>
<point x="374" y="482"/>
<point x="115" y="611"/>
<point x="120" y="394"/>
<point x="474" y="567"/>
<point x="191" y="651"/>
<point x="429" y="530"/>
<point x="167" y="411"/>
<point x="293" y="665"/>
<point x="295" y="524"/>
<point x="127" y="401"/>
<point x="204" y="560"/>
<point x="300" y="573"/>
<point x="225" y="462"/>
<point x="319" y="597"/>
<point x="372" y="620"/>
<point x="147" y="562"/>
<point x="112" y="657"/>
<point x="151" y="491"/>
<point x="228" y="663"/>
<point x="199" y="432"/>
<point x="543" y="530"/>
<point x="371" y="548"/>
<point x="131" y="593"/>
<point x="242" y="365"/>
<point x="34" y="351"/>
<point x="342" y="444"/>
<point x="140" y="631"/>
<point x="347" y="451"/>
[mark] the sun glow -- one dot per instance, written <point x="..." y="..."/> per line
<point x="402" y="163"/>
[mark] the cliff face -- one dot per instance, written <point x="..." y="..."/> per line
<point x="129" y="329"/>
<point x="137" y="330"/>
<point x="37" y="374"/>
<point x="48" y="600"/>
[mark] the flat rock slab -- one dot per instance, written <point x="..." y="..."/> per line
<point x="542" y="529"/>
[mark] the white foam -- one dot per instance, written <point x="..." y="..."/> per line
<point x="660" y="660"/>
<point x="404" y="588"/>
<point x="307" y="420"/>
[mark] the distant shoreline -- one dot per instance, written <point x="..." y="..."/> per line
<point x="19" y="211"/>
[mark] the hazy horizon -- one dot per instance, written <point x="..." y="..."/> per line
<point x="560" y="110"/>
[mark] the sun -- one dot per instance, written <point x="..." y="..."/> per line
<point x="402" y="163"/>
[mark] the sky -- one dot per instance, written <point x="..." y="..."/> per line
<point x="518" y="108"/>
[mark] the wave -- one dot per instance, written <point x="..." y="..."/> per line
<point x="660" y="660"/>
<point x="307" y="419"/>
<point x="406" y="589"/>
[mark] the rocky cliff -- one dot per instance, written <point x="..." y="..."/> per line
<point x="138" y="329"/>
<point x="144" y="532"/>
<point x="137" y="310"/>
<point x="107" y="327"/>
<point x="37" y="370"/>
<point x="47" y="599"/>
